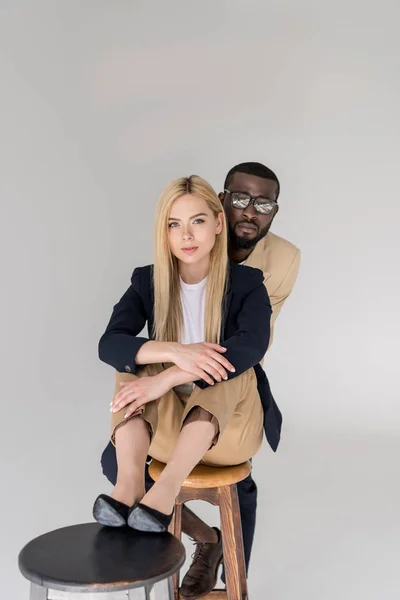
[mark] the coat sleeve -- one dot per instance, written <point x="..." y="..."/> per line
<point x="120" y="342"/>
<point x="247" y="347"/>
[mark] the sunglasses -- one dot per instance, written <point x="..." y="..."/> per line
<point x="241" y="200"/>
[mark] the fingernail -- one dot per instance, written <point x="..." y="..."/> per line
<point x="233" y="370"/>
<point x="125" y="416"/>
<point x="225" y="378"/>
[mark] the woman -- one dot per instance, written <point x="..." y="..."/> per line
<point x="189" y="393"/>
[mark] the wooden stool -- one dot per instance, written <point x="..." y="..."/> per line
<point x="90" y="558"/>
<point x="216" y="485"/>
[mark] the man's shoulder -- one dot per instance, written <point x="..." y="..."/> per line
<point x="279" y="260"/>
<point x="277" y="245"/>
<point x="274" y="253"/>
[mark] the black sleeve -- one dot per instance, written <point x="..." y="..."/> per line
<point x="120" y="343"/>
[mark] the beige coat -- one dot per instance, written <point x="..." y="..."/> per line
<point x="280" y="261"/>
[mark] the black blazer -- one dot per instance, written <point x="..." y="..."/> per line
<point x="245" y="332"/>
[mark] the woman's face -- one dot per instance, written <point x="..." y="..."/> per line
<point x="192" y="229"/>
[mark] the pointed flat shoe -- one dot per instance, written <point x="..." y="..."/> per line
<point x="110" y="512"/>
<point x="144" y="518"/>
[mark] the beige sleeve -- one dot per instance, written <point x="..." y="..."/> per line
<point x="282" y="292"/>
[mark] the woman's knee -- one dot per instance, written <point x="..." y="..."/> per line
<point x="199" y="414"/>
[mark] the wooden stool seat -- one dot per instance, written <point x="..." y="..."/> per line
<point x="216" y="485"/>
<point x="203" y="476"/>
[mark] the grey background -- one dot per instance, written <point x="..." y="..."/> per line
<point x="102" y="104"/>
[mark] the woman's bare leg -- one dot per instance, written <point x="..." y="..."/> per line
<point x="132" y="441"/>
<point x="194" y="441"/>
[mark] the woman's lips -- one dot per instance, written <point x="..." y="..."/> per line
<point x="190" y="249"/>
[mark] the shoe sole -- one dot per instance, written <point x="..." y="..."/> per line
<point x="104" y="514"/>
<point x="210" y="589"/>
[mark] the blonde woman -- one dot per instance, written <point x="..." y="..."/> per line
<point x="190" y="392"/>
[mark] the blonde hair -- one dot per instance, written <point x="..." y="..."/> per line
<point x="168" y="317"/>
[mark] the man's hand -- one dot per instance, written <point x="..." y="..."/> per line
<point x="202" y="360"/>
<point x="140" y="391"/>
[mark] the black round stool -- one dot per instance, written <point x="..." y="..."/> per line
<point x="92" y="558"/>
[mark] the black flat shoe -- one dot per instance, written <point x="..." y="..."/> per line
<point x="110" y="512"/>
<point x="144" y="518"/>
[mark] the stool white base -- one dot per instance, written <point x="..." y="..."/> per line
<point x="163" y="590"/>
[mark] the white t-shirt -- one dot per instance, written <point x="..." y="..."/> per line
<point x="193" y="299"/>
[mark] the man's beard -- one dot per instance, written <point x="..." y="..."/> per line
<point x="244" y="243"/>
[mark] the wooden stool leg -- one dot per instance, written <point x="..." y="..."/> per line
<point x="233" y="580"/>
<point x="237" y="521"/>
<point x="38" y="592"/>
<point x="176" y="529"/>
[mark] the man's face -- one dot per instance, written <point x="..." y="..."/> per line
<point x="247" y="226"/>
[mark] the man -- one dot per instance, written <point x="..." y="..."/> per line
<point x="250" y="197"/>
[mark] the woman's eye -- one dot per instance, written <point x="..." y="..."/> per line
<point x="198" y="221"/>
<point x="173" y="224"/>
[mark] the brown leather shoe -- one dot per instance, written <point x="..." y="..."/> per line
<point x="203" y="572"/>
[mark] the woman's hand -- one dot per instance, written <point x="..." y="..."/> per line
<point x="139" y="392"/>
<point x="202" y="360"/>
